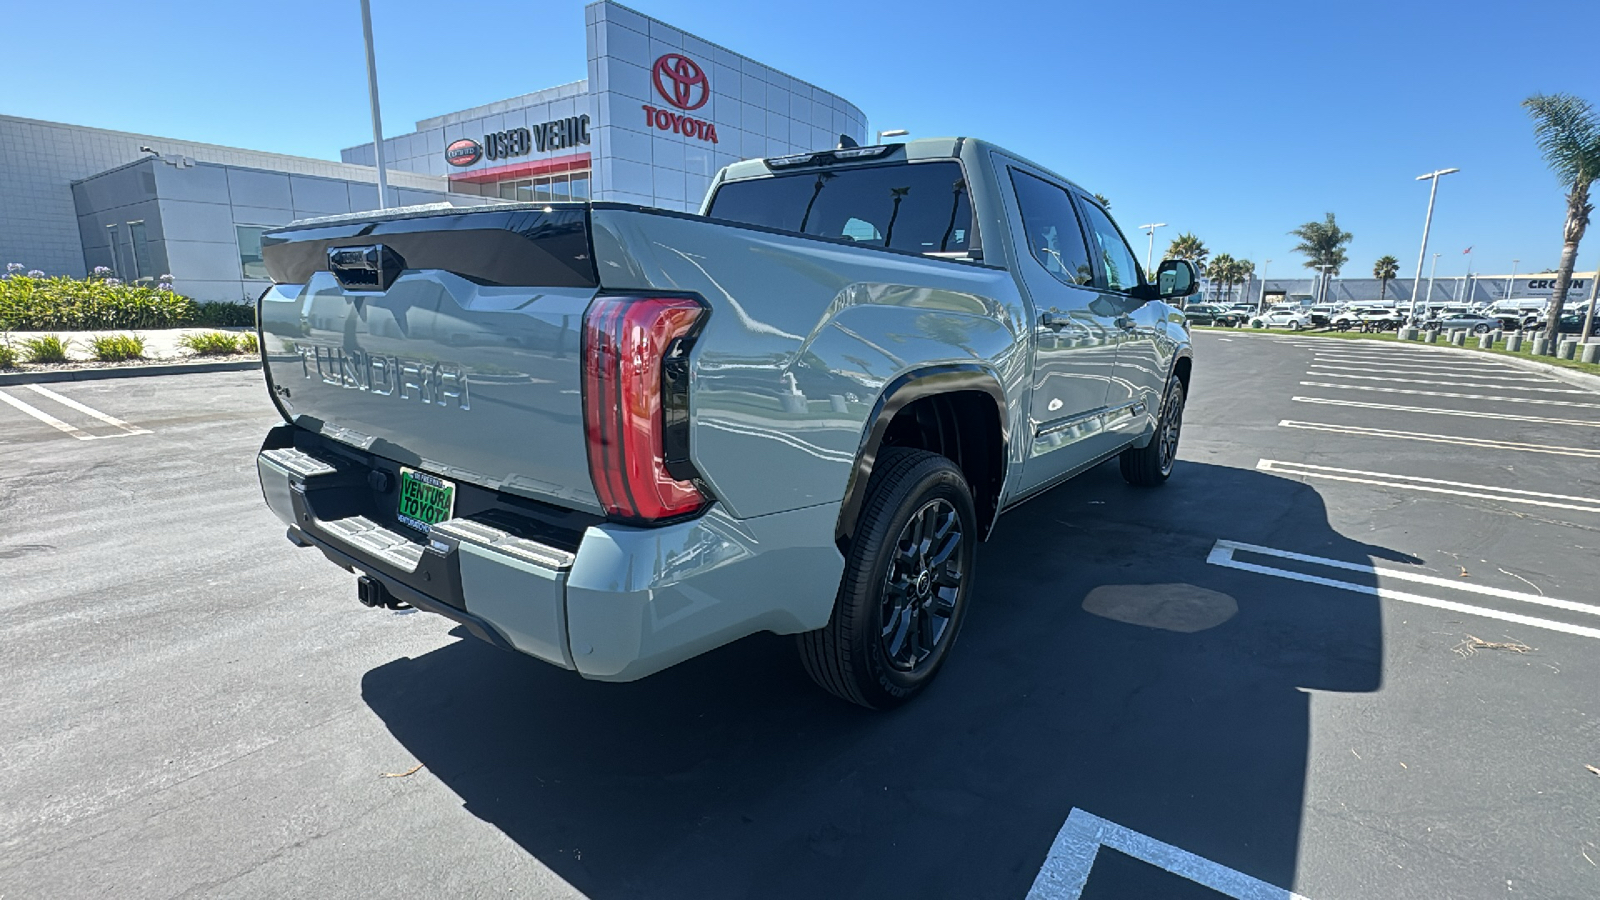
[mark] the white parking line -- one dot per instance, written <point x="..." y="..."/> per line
<point x="1420" y="359"/>
<point x="1503" y="387"/>
<point x="1389" y="390"/>
<point x="1222" y="555"/>
<point x="53" y="422"/>
<point x="1072" y="854"/>
<point x="87" y="410"/>
<point x="1431" y="411"/>
<point x="1410" y="369"/>
<point x="1431" y="485"/>
<point x="1441" y="439"/>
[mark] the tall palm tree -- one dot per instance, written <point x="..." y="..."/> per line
<point x="1385" y="270"/>
<point x="1567" y="130"/>
<point x="1222" y="270"/>
<point x="1323" y="244"/>
<point x="1187" y="246"/>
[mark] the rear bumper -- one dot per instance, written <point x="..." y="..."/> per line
<point x="622" y="604"/>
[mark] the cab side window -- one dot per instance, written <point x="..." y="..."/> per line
<point x="1121" y="266"/>
<point x="1051" y="229"/>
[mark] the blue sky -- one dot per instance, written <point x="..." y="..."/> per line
<point x="1237" y="122"/>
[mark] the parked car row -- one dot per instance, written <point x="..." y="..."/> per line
<point x="1377" y="318"/>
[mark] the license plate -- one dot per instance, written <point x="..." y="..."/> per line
<point x="425" y="500"/>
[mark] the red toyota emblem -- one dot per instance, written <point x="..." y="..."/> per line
<point x="681" y="81"/>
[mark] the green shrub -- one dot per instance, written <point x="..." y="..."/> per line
<point x="49" y="348"/>
<point x="8" y="356"/>
<point x="38" y="303"/>
<point x="117" y="347"/>
<point x="248" y="342"/>
<point x="211" y="343"/>
<point x="225" y="315"/>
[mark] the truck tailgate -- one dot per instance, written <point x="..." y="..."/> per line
<point x="446" y="341"/>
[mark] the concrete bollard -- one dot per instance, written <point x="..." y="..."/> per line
<point x="1458" y="338"/>
<point x="1433" y="336"/>
<point x="1486" y="341"/>
<point x="1569" y="349"/>
<point x="1540" y="345"/>
<point x="1408" y="333"/>
<point x="1514" y="342"/>
<point x="1591" y="354"/>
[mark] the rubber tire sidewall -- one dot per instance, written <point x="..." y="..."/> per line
<point x="903" y="481"/>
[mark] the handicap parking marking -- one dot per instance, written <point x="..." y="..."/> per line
<point x="1434" y="411"/>
<point x="1465" y="384"/>
<point x="1485" y="443"/>
<point x="126" y="430"/>
<point x="1430" y="485"/>
<point x="1222" y="554"/>
<point x="1066" y="867"/>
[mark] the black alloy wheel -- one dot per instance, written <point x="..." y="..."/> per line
<point x="922" y="585"/>
<point x="1152" y="464"/>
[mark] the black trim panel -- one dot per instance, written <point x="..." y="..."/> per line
<point x="896" y="395"/>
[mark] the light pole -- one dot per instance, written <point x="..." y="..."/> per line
<point x="1511" y="283"/>
<point x="372" y="91"/>
<point x="1431" y="269"/>
<point x="1150" y="253"/>
<point x="1588" y="319"/>
<point x="1427" y="223"/>
<point x="1261" y="304"/>
<point x="893" y="132"/>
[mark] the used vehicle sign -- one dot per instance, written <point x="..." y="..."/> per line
<point x="425" y="500"/>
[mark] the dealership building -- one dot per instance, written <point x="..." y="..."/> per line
<point x="659" y="113"/>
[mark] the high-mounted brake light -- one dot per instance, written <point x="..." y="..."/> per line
<point x="635" y="405"/>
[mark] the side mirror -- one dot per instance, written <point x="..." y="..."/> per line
<point x="1177" y="278"/>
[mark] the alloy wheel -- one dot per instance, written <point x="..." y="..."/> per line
<point x="922" y="586"/>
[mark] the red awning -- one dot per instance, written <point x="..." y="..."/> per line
<point x="555" y="165"/>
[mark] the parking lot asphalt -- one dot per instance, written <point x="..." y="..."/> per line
<point x="1351" y="649"/>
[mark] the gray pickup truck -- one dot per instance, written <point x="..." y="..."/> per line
<point x="614" y="437"/>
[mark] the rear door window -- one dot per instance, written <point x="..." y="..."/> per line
<point x="917" y="207"/>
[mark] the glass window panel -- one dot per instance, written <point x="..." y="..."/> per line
<point x="115" y="248"/>
<point x="250" y="262"/>
<point x="142" y="269"/>
<point x="1122" y="266"/>
<point x="541" y="190"/>
<point x="580" y="186"/>
<point x="525" y="191"/>
<point x="560" y="188"/>
<point x="920" y="207"/>
<point x="1053" y="232"/>
<point x="508" y="190"/>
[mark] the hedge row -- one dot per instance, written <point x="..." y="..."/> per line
<point x="39" y="303"/>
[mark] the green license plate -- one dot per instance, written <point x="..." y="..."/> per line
<point x="425" y="500"/>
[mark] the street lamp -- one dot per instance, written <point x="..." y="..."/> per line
<point x="1431" y="269"/>
<point x="1261" y="304"/>
<point x="1427" y="223"/>
<point x="1511" y="283"/>
<point x="893" y="132"/>
<point x="1150" y="229"/>
<point x="372" y="93"/>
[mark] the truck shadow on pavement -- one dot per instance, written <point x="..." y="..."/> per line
<point x="1104" y="665"/>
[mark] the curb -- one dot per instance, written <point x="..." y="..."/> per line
<point x="126" y="372"/>
<point x="1577" y="379"/>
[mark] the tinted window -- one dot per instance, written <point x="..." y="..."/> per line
<point x="1122" y="267"/>
<point x="920" y="207"/>
<point x="1051" y="228"/>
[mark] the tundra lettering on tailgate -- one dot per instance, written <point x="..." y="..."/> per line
<point x="440" y="383"/>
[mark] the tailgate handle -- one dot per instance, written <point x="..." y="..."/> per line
<point x="371" y="267"/>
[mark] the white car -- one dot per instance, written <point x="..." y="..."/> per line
<point x="1292" y="319"/>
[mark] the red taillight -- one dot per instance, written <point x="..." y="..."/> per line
<point x="631" y="348"/>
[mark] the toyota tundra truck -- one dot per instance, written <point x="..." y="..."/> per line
<point x="614" y="437"/>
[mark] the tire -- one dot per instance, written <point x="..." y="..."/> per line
<point x="1294" y="324"/>
<point x="916" y="501"/>
<point x="1480" y="328"/>
<point x="1151" y="464"/>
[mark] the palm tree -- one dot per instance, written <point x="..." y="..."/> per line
<point x="1323" y="244"/>
<point x="1101" y="199"/>
<point x="1187" y="246"/>
<point x="1385" y="270"/>
<point x="1222" y="270"/>
<point x="1568" y="132"/>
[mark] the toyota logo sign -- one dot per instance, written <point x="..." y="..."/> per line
<point x="680" y="81"/>
<point x="464" y="152"/>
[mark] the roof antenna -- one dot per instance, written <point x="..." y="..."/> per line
<point x="846" y="142"/>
